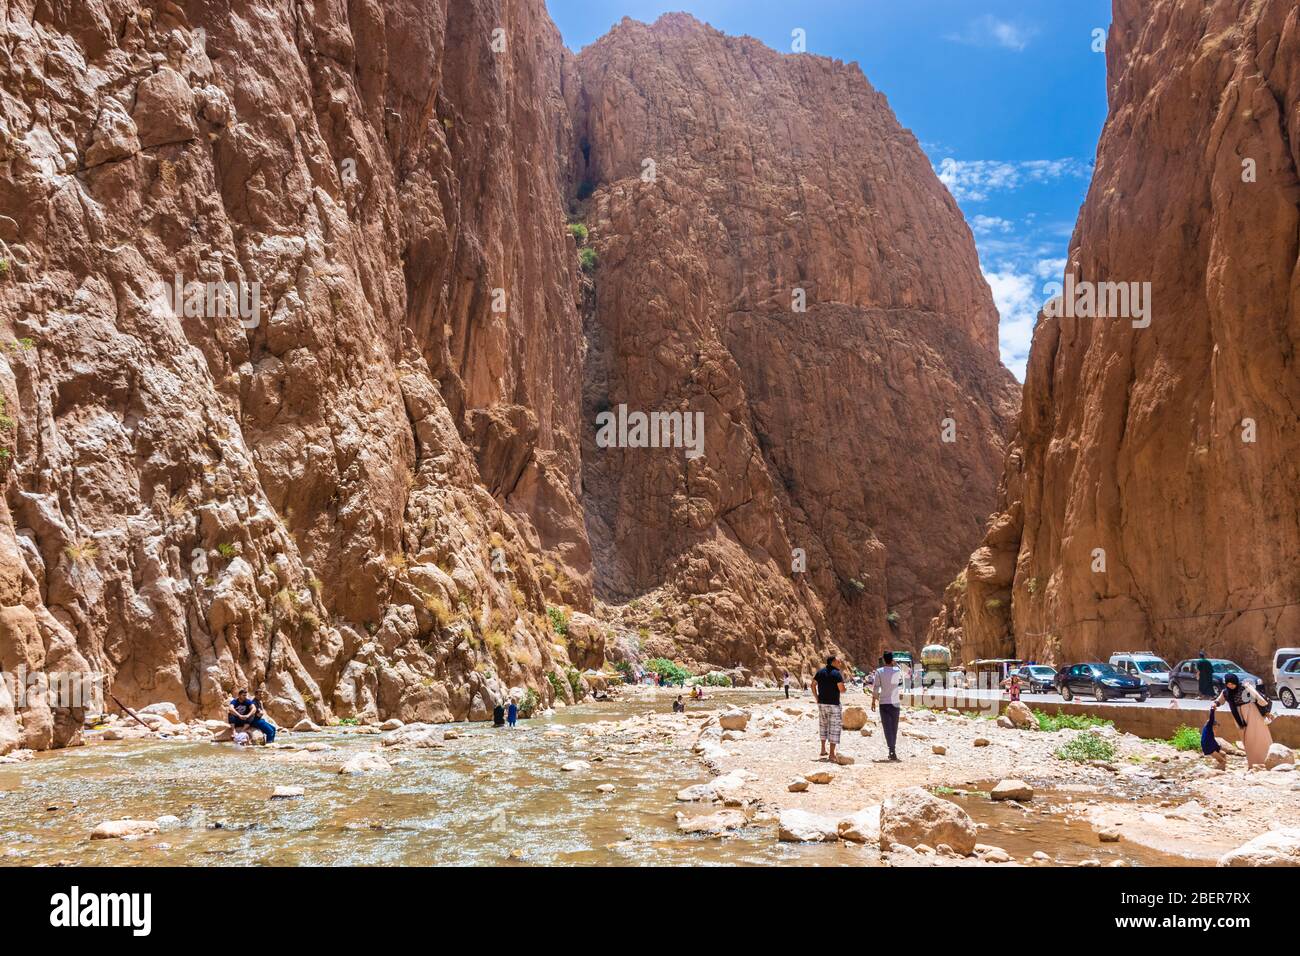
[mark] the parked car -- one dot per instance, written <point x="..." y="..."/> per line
<point x="1037" y="678"/>
<point x="1150" y="669"/>
<point x="1288" y="683"/>
<point x="1101" y="681"/>
<point x="1281" y="657"/>
<point x="1185" y="679"/>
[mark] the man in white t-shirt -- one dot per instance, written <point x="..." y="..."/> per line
<point x="885" y="692"/>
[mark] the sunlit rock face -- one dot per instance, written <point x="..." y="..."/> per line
<point x="1155" y="477"/>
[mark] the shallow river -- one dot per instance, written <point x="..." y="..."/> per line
<point x="492" y="797"/>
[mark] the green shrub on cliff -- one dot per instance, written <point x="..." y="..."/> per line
<point x="529" y="703"/>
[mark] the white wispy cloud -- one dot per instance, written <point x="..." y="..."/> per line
<point x="989" y="224"/>
<point x="1018" y="301"/>
<point x="989" y="31"/>
<point x="974" y="180"/>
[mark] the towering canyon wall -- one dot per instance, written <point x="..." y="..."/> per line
<point x="311" y="503"/>
<point x="362" y="495"/>
<point x="723" y="183"/>
<point x="1152" y="495"/>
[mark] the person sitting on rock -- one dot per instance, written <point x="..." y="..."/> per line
<point x="679" y="706"/>
<point x="246" y="712"/>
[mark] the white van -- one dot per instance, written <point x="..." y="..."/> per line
<point x="1149" y="668"/>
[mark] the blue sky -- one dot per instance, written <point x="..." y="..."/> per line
<point x="1007" y="98"/>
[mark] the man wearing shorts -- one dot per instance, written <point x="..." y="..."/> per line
<point x="827" y="685"/>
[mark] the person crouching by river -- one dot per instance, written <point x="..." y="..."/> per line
<point x="246" y="712"/>
<point x="827" y="685"/>
<point x="1249" y="710"/>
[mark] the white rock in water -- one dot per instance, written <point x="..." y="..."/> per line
<point x="287" y="793"/>
<point x="861" y="827"/>
<point x="573" y="766"/>
<point x="305" y="726"/>
<point x="124" y="829"/>
<point x="800" y="826"/>
<point x="368" y="762"/>
<point x="392" y="724"/>
<point x="1012" y="789"/>
<point x="914" y="816"/>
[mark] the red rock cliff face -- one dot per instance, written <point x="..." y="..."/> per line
<point x="362" y="494"/>
<point x="720" y="180"/>
<point x="313" y="502"/>
<point x="1171" y="451"/>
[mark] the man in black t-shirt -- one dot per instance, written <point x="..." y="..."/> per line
<point x="827" y="685"/>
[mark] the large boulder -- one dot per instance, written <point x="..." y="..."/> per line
<point x="1020" y="715"/>
<point x="800" y="826"/>
<point x="854" y="717"/>
<point x="1275" y="848"/>
<point x="912" y="816"/>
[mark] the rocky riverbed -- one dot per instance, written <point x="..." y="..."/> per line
<point x="735" y="780"/>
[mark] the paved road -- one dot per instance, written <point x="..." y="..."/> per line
<point x="1165" y="701"/>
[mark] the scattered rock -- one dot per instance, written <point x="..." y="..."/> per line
<point x="392" y="724"/>
<point x="981" y="741"/>
<point x="1108" y="835"/>
<point x="844" y="760"/>
<point x="1021" y="716"/>
<point x="819" y="777"/>
<point x="861" y="827"/>
<point x="166" y="710"/>
<point x="605" y="788"/>
<point x="1279" y="755"/>
<point x="854" y="717"/>
<point x="719" y="822"/>
<point x="574" y="766"/>
<point x="1012" y="789"/>
<point x="734" y="720"/>
<point x="366" y="762"/>
<point x="304" y="726"/>
<point x="287" y="793"/>
<point x="939" y="750"/>
<point x="124" y="829"/>
<point x="798" y="785"/>
<point x="1006" y="723"/>
<point x="800" y="826"/>
<point x="1275" y="848"/>
<point x="914" y="816"/>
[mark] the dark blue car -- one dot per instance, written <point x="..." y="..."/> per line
<point x="1101" y="681"/>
